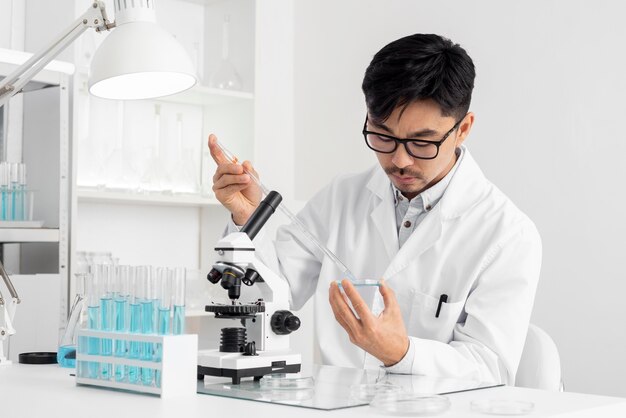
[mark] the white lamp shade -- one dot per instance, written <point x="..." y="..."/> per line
<point x="139" y="60"/>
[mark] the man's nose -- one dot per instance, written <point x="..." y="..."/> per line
<point x="401" y="158"/>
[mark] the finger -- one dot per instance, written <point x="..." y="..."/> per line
<point x="342" y="310"/>
<point x="216" y="152"/>
<point x="228" y="191"/>
<point x="224" y="169"/>
<point x="230" y="179"/>
<point x="248" y="166"/>
<point x="357" y="301"/>
<point x="389" y="297"/>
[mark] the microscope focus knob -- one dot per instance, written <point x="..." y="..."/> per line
<point x="284" y="322"/>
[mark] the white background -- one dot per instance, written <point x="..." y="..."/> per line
<point x="549" y="104"/>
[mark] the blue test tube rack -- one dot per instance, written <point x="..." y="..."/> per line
<point x="177" y="364"/>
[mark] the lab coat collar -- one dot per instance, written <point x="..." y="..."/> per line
<point x="463" y="192"/>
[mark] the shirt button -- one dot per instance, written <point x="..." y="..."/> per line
<point x="407" y="224"/>
<point x="428" y="208"/>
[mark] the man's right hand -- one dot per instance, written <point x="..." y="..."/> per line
<point x="232" y="186"/>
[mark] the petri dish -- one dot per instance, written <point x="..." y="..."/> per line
<point x="410" y="404"/>
<point x="367" y="391"/>
<point x="502" y="407"/>
<point x="285" y="382"/>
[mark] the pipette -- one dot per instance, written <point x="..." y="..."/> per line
<point x="345" y="271"/>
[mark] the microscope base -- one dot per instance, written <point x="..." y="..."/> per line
<point x="236" y="365"/>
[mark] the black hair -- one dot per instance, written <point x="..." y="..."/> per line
<point x="419" y="67"/>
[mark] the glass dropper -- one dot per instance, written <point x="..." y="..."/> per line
<point x="345" y="271"/>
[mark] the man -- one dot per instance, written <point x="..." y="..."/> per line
<point x="459" y="262"/>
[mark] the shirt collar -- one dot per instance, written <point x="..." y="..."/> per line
<point x="431" y="196"/>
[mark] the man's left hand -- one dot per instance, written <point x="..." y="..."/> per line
<point x="384" y="337"/>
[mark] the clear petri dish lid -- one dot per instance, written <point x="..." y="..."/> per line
<point x="286" y="382"/>
<point x="502" y="407"/>
<point x="367" y="391"/>
<point x="410" y="404"/>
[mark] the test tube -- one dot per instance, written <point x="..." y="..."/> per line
<point x="121" y="317"/>
<point x="21" y="172"/>
<point x="178" y="293"/>
<point x="107" y="314"/>
<point x="164" y="279"/>
<point x="164" y="300"/>
<point x="134" y="347"/>
<point x="92" y="286"/>
<point x="4" y="191"/>
<point x="16" y="210"/>
<point x="147" y="320"/>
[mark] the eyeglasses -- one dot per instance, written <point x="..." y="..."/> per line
<point x="422" y="149"/>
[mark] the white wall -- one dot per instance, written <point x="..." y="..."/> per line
<point x="549" y="132"/>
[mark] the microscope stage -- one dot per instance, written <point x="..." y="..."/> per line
<point x="237" y="366"/>
<point x="217" y="359"/>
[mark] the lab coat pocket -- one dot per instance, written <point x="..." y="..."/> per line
<point x="423" y="322"/>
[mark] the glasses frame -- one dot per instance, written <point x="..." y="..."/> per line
<point x="405" y="142"/>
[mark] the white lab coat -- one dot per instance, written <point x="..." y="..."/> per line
<point x="474" y="246"/>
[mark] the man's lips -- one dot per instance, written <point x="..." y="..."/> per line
<point x="403" y="179"/>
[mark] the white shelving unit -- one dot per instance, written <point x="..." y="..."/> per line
<point x="22" y="141"/>
<point x="38" y="135"/>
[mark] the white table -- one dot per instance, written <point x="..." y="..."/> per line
<point x="48" y="391"/>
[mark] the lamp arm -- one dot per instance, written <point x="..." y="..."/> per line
<point x="7" y="313"/>
<point x="94" y="17"/>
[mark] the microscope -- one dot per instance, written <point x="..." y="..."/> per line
<point x="261" y="345"/>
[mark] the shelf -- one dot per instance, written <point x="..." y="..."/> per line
<point x="202" y="95"/>
<point x="21" y="235"/>
<point x="120" y="197"/>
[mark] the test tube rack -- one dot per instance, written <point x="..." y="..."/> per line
<point x="178" y="362"/>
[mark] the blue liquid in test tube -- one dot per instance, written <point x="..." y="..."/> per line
<point x="121" y="306"/>
<point x="93" y="314"/>
<point x="106" y="321"/>
<point x="134" y="348"/>
<point x="163" y="329"/>
<point x="178" y="327"/>
<point x="147" y="318"/>
<point x="164" y="321"/>
<point x="178" y="291"/>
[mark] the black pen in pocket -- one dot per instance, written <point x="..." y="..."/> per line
<point x="442" y="299"/>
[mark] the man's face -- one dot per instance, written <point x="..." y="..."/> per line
<point x="419" y="120"/>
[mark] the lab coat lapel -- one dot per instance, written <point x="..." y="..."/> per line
<point x="383" y="213"/>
